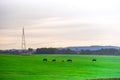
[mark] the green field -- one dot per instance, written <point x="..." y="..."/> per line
<point x="17" y="67"/>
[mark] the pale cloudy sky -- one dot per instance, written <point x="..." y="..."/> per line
<point x="59" y="23"/>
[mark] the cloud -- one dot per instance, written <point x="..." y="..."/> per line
<point x="59" y="23"/>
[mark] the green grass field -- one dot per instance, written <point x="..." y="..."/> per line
<point x="17" y="67"/>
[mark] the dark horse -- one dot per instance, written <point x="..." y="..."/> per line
<point x="53" y="60"/>
<point x="45" y="59"/>
<point x="93" y="60"/>
<point x="69" y="60"/>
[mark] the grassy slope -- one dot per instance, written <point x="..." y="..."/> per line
<point x="16" y="67"/>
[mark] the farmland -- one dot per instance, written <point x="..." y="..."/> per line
<point x="17" y="67"/>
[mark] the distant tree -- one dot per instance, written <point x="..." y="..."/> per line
<point x="109" y="51"/>
<point x="30" y="50"/>
<point x="65" y="51"/>
<point x="46" y="50"/>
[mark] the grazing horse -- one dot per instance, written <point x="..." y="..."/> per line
<point x="45" y="59"/>
<point x="93" y="60"/>
<point x="69" y="60"/>
<point x="62" y="61"/>
<point x="53" y="60"/>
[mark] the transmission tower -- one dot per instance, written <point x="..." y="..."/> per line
<point x="23" y="45"/>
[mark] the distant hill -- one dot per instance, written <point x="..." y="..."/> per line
<point x="78" y="48"/>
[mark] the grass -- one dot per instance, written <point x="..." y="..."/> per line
<point x="17" y="67"/>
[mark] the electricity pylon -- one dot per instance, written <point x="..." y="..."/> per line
<point x="23" y="45"/>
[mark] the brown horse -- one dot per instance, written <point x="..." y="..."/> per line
<point x="94" y="60"/>
<point x="69" y="60"/>
<point x="45" y="59"/>
<point x="54" y="60"/>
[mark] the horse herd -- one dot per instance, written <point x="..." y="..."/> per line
<point x="68" y="60"/>
<point x="54" y="60"/>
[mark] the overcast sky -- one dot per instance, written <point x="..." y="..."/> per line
<point x="59" y="23"/>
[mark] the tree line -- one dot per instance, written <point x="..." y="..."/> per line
<point x="53" y="51"/>
<point x="102" y="52"/>
<point x="110" y="51"/>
